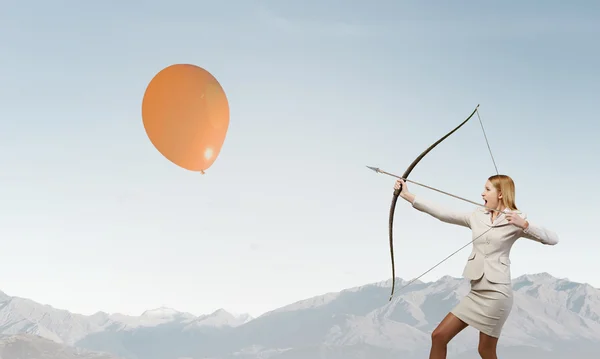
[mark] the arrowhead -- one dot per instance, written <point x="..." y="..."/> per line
<point x="373" y="168"/>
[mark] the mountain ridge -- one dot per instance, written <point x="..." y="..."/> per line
<point x="549" y="314"/>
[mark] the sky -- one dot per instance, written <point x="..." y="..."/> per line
<point x="93" y="218"/>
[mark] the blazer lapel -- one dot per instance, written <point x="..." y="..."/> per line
<point x="484" y="217"/>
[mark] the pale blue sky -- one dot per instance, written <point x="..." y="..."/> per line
<point x="94" y="218"/>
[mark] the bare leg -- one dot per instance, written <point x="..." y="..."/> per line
<point x="487" y="346"/>
<point x="441" y="336"/>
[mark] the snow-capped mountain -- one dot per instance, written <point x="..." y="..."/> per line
<point x="24" y="316"/>
<point x="24" y="346"/>
<point x="218" y="319"/>
<point x="550" y="317"/>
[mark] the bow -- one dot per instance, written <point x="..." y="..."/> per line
<point x="397" y="192"/>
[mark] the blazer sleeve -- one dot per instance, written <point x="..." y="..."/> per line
<point x="540" y="234"/>
<point x="442" y="213"/>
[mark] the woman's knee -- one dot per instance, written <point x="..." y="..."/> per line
<point x="487" y="346"/>
<point x="441" y="336"/>
<point x="486" y="352"/>
<point x="447" y="329"/>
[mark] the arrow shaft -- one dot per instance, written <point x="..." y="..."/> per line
<point x="437" y="190"/>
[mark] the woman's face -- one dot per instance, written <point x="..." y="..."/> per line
<point x="490" y="196"/>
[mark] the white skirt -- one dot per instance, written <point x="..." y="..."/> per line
<point x="486" y="307"/>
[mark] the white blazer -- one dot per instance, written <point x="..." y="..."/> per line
<point x="491" y="251"/>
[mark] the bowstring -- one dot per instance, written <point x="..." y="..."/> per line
<point x="473" y="240"/>
<point x="486" y="140"/>
<point x="443" y="260"/>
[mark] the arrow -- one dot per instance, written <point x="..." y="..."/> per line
<point x="378" y="170"/>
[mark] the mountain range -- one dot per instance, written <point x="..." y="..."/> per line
<point x="552" y="318"/>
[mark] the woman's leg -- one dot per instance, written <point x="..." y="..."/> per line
<point x="441" y="336"/>
<point x="487" y="346"/>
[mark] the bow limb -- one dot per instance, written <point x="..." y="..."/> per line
<point x="397" y="193"/>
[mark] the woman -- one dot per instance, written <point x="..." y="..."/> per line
<point x="495" y="228"/>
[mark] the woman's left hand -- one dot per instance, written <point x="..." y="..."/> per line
<point x="516" y="220"/>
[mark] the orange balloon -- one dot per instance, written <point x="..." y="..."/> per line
<point x="186" y="116"/>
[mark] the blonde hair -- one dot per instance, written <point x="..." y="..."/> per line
<point x="505" y="185"/>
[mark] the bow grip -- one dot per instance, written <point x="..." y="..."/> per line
<point x="397" y="191"/>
